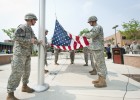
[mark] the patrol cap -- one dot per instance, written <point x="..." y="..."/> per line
<point x="30" y="16"/>
<point x="92" y="18"/>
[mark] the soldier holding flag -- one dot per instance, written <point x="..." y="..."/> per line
<point x="97" y="48"/>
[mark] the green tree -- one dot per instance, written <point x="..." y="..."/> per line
<point x="131" y="30"/>
<point x="84" y="31"/>
<point x="9" y="32"/>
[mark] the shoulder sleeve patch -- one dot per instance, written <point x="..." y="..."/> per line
<point x="20" y="32"/>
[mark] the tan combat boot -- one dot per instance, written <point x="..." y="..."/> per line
<point x="27" y="89"/>
<point x="11" y="96"/>
<point x="94" y="72"/>
<point x="56" y="64"/>
<point x="85" y="64"/>
<point x="46" y="71"/>
<point x="101" y="83"/>
<point x="91" y="71"/>
<point x="96" y="81"/>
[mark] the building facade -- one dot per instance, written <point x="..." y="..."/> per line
<point x="6" y="47"/>
<point x="117" y="39"/>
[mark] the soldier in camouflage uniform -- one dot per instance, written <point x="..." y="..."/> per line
<point x="97" y="48"/>
<point x="72" y="56"/>
<point x="56" y="53"/>
<point x="93" y="71"/>
<point x="46" y="47"/>
<point x="86" y="51"/>
<point x="24" y="38"/>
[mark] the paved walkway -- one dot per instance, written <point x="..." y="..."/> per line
<point x="73" y="82"/>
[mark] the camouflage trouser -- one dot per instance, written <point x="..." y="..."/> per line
<point x="46" y="59"/>
<point x="86" y="51"/>
<point x="20" y="69"/>
<point x="100" y="62"/>
<point x="72" y="55"/>
<point x="56" y="53"/>
<point x="92" y="60"/>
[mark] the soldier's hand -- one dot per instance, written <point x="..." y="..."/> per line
<point x="38" y="42"/>
<point x="83" y="34"/>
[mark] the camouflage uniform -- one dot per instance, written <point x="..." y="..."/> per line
<point x="56" y="53"/>
<point x="21" y="57"/>
<point x="86" y="51"/>
<point x="97" y="48"/>
<point x="72" y="56"/>
<point x="46" y="46"/>
<point x="92" y="60"/>
<point x="135" y="48"/>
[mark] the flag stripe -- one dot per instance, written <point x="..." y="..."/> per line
<point x="66" y="41"/>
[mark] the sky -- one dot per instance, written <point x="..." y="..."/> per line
<point x="71" y="14"/>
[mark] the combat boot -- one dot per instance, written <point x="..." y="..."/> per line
<point x="101" y="83"/>
<point x="46" y="71"/>
<point x="85" y="64"/>
<point x="91" y="71"/>
<point x="96" y="81"/>
<point x="11" y="96"/>
<point x="72" y="62"/>
<point x="27" y="89"/>
<point x="94" y="72"/>
<point x="56" y="64"/>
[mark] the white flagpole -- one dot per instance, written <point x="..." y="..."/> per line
<point x="41" y="86"/>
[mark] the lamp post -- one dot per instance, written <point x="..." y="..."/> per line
<point x="115" y="34"/>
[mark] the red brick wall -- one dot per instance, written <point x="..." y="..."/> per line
<point x="132" y="60"/>
<point x="5" y="58"/>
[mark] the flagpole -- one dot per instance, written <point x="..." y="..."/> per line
<point x="41" y="86"/>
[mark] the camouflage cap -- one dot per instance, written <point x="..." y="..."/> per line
<point x="92" y="18"/>
<point x="30" y="16"/>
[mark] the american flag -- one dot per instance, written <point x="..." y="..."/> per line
<point x="63" y="40"/>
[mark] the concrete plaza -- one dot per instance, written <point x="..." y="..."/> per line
<point x="73" y="82"/>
